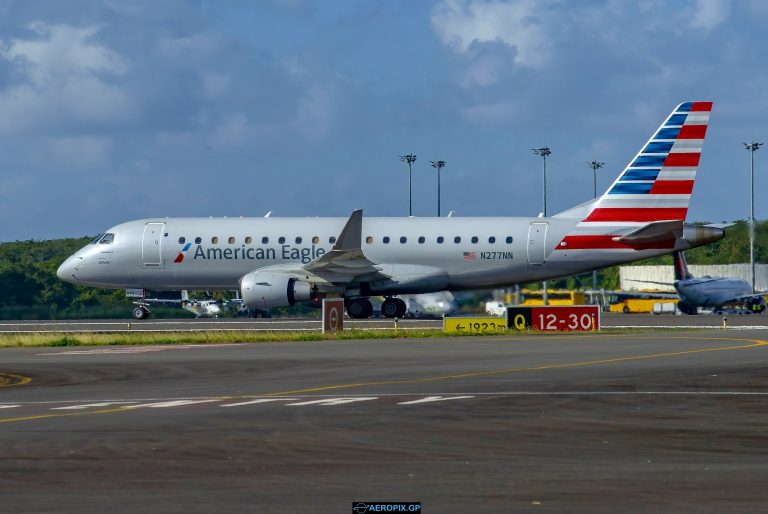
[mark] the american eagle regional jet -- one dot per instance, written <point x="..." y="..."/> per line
<point x="277" y="262"/>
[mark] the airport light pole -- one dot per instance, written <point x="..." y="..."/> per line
<point x="544" y="152"/>
<point x="410" y="159"/>
<point x="752" y="148"/>
<point x="439" y="165"/>
<point x="595" y="165"/>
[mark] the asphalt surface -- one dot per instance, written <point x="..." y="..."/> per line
<point x="661" y="422"/>
<point x="277" y="324"/>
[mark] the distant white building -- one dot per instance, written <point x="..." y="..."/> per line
<point x="633" y="278"/>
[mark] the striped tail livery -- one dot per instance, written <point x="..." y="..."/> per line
<point x="645" y="208"/>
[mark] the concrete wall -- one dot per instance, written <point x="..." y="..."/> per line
<point x="632" y="277"/>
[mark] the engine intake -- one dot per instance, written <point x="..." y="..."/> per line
<point x="266" y="290"/>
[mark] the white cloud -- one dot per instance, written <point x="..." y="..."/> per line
<point x="708" y="14"/>
<point x="63" y="77"/>
<point x="460" y="23"/>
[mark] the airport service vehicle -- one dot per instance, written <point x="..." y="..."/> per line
<point x="554" y="297"/>
<point x="276" y="262"/>
<point x="495" y="308"/>
<point x="639" y="302"/>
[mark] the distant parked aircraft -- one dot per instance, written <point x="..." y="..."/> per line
<point x="716" y="293"/>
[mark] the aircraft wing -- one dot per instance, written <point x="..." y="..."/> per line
<point x="346" y="261"/>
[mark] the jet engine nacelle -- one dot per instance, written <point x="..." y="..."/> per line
<point x="266" y="290"/>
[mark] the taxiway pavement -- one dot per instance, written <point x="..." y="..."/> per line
<point x="663" y="422"/>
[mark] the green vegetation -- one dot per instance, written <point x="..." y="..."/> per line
<point x="30" y="289"/>
<point x="209" y="337"/>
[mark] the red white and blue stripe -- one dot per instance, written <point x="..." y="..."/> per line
<point x="655" y="186"/>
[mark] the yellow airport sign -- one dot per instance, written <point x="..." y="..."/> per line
<point x="485" y="325"/>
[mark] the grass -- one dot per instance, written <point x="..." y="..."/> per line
<point x="20" y="340"/>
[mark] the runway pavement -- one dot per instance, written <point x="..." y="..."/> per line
<point x="285" y="324"/>
<point x="662" y="422"/>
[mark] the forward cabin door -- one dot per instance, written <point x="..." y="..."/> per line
<point x="151" y="245"/>
<point x="537" y="243"/>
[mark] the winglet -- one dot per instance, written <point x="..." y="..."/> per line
<point x="351" y="235"/>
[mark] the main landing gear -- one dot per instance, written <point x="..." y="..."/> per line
<point x="393" y="308"/>
<point x="360" y="308"/>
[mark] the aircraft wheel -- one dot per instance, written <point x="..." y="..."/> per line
<point x="402" y="308"/>
<point x="359" y="308"/>
<point x="140" y="313"/>
<point x="389" y="309"/>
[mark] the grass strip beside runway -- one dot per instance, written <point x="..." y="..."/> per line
<point x="54" y="339"/>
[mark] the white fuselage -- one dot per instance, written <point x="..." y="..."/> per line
<point x="421" y="254"/>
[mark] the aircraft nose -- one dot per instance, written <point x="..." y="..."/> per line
<point x="66" y="271"/>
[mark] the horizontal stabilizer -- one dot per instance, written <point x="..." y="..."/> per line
<point x="654" y="232"/>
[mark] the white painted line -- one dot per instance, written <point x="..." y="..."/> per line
<point x="9" y="406"/>
<point x="430" y="399"/>
<point x="89" y="405"/>
<point x="260" y="400"/>
<point x="335" y="401"/>
<point x="175" y="403"/>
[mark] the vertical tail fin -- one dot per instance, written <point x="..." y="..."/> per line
<point x="681" y="267"/>
<point x="657" y="183"/>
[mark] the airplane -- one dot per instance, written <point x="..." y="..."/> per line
<point x="201" y="308"/>
<point x="277" y="262"/>
<point x="712" y="292"/>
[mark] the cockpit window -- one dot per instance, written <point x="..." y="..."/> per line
<point x="96" y="239"/>
<point x="107" y="239"/>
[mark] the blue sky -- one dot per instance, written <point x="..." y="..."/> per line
<point x="112" y="110"/>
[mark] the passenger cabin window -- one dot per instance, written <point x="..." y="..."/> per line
<point x="182" y="240"/>
<point x="281" y="240"/>
<point x="298" y="240"/>
<point x="231" y="240"/>
<point x="422" y="239"/>
<point x="264" y="240"/>
<point x="215" y="240"/>
<point x="474" y="240"/>
<point x="403" y="240"/>
<point x="385" y="240"/>
<point x="248" y="240"/>
<point x="107" y="239"/>
<point x="332" y="239"/>
<point x="315" y="240"/>
<point x="509" y="239"/>
<point x="440" y="240"/>
<point x="96" y="239"/>
<point x="491" y="239"/>
<point x="369" y="240"/>
<point x="457" y="240"/>
<point x="198" y="240"/>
